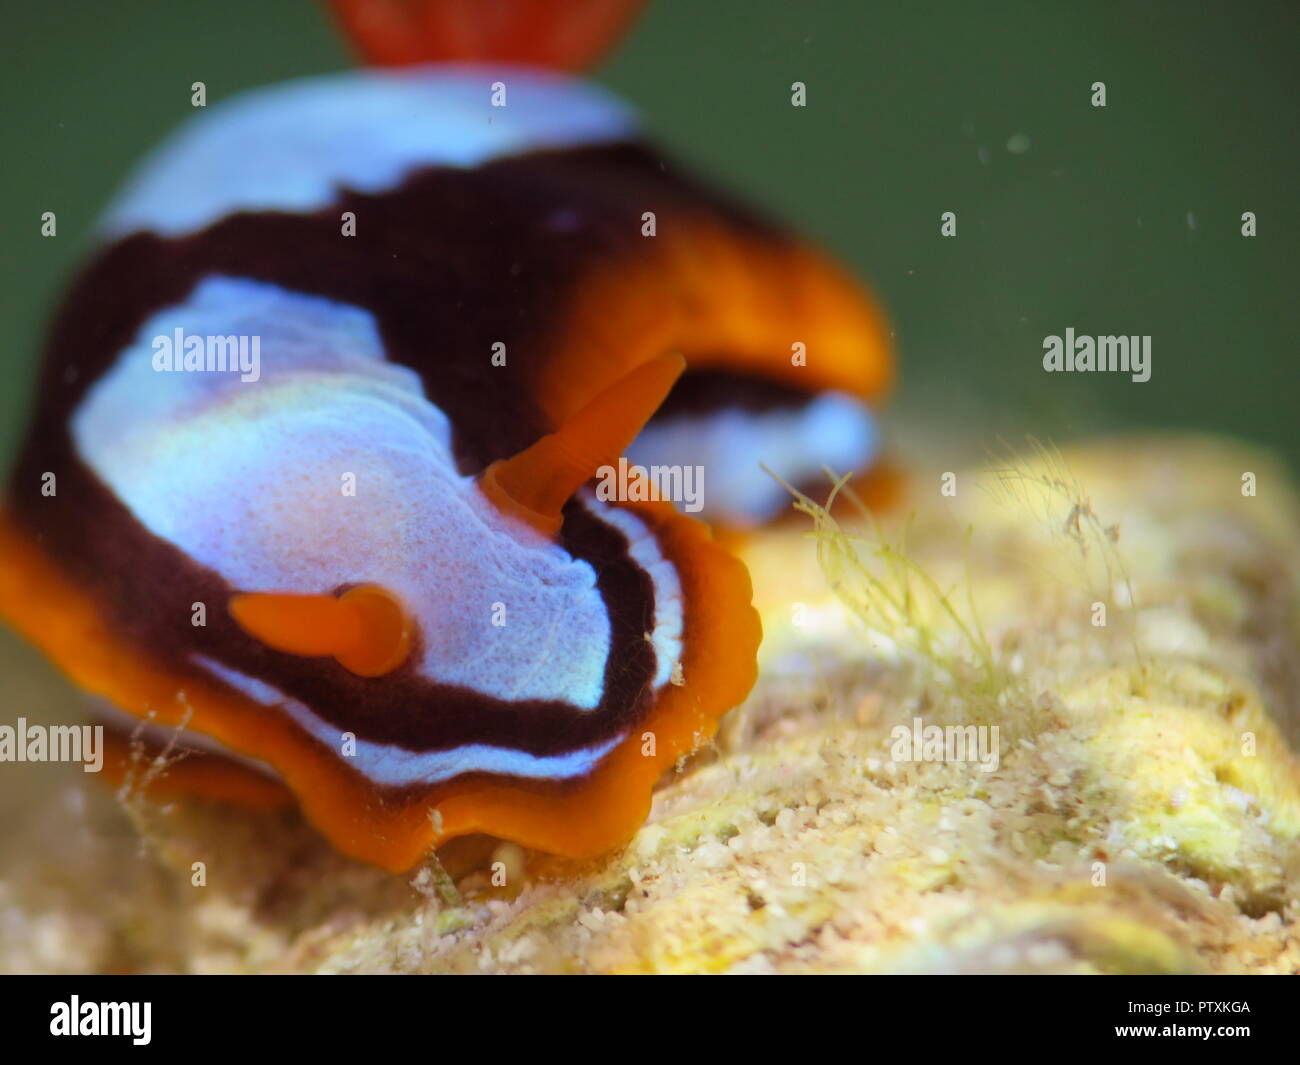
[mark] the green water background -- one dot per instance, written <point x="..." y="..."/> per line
<point x="1122" y="220"/>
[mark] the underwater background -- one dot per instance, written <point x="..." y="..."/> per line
<point x="1117" y="220"/>
<point x="1122" y="743"/>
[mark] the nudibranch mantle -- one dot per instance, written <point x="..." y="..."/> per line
<point x="551" y="666"/>
<point x="328" y="406"/>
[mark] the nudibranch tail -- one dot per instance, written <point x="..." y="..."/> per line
<point x="535" y="484"/>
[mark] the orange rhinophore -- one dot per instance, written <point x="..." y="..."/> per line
<point x="537" y="483"/>
<point x="366" y="628"/>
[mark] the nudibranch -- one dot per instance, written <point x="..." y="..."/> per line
<point x="309" y="469"/>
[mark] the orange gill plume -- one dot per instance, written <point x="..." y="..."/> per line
<point x="566" y="35"/>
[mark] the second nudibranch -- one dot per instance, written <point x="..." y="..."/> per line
<point x="368" y="564"/>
